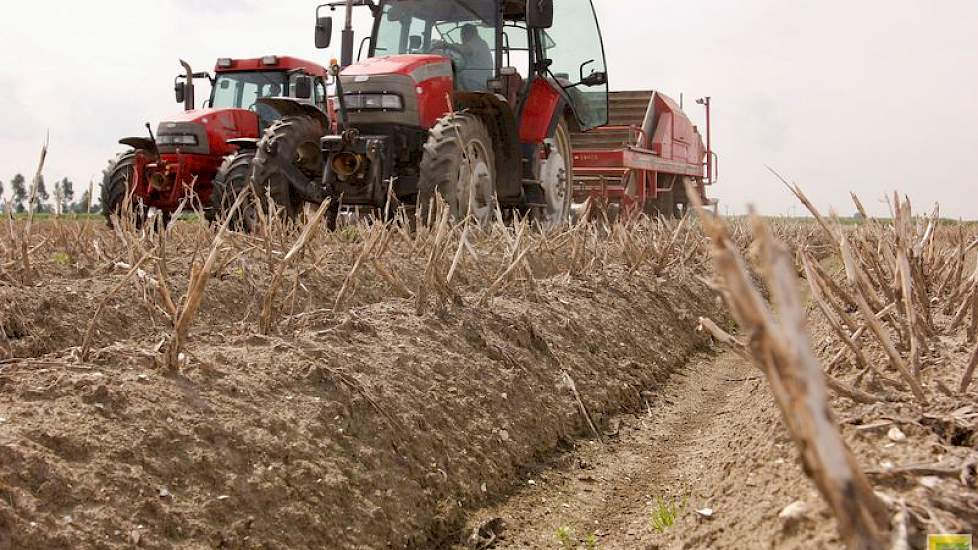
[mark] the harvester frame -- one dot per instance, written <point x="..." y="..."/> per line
<point x="647" y="170"/>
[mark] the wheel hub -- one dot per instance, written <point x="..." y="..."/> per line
<point x="554" y="176"/>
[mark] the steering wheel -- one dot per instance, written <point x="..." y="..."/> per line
<point x="451" y="51"/>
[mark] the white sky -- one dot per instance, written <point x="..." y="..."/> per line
<point x="864" y="95"/>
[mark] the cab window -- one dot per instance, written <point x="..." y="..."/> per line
<point x="575" y="46"/>
<point x="319" y="93"/>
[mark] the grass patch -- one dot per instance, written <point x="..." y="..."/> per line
<point x="664" y="514"/>
<point x="61" y="258"/>
<point x="568" y="540"/>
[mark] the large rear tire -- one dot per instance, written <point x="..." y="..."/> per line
<point x="292" y="140"/>
<point x="233" y="178"/>
<point x="459" y="166"/>
<point x="116" y="183"/>
<point x="556" y="175"/>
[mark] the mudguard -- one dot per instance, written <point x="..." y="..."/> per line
<point x="287" y="106"/>
<point x="138" y="143"/>
<point x="541" y="111"/>
<point x="244" y="144"/>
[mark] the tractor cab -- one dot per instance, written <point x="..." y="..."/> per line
<point x="493" y="50"/>
<point x="439" y="83"/>
<point x="243" y="84"/>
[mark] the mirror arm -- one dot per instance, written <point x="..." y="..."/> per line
<point x="363" y="43"/>
<point x="583" y="65"/>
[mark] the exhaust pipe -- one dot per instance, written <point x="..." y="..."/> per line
<point x="188" y="97"/>
<point x="346" y="51"/>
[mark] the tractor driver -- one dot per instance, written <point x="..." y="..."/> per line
<point x="266" y="113"/>
<point x="274" y="90"/>
<point x="478" y="60"/>
<point x="476" y="65"/>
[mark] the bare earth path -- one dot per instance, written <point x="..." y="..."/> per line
<point x="711" y="438"/>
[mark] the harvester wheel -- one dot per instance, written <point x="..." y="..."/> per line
<point x="556" y="175"/>
<point x="117" y="199"/>
<point x="664" y="205"/>
<point x="292" y="143"/>
<point x="459" y="166"/>
<point x="232" y="178"/>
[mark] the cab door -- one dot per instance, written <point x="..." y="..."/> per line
<point x="575" y="46"/>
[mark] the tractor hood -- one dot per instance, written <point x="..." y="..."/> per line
<point x="422" y="81"/>
<point x="206" y="131"/>
<point x="419" y="67"/>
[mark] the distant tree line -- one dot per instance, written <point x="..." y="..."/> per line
<point x="60" y="201"/>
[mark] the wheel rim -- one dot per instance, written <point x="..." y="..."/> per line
<point x="475" y="191"/>
<point x="555" y="176"/>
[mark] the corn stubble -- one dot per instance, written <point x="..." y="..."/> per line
<point x="890" y="289"/>
<point x="895" y="279"/>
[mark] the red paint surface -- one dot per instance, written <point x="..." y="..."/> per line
<point x="675" y="137"/>
<point x="538" y="111"/>
<point x="183" y="176"/>
<point x="675" y="147"/>
<point x="433" y="94"/>
<point x="285" y="63"/>
<point x="187" y="173"/>
<point x="434" y="100"/>
<point x="222" y="125"/>
<point x="392" y="64"/>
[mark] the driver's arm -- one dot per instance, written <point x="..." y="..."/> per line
<point x="444" y="45"/>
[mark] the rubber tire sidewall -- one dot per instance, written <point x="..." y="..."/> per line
<point x="442" y="162"/>
<point x="115" y="186"/>
<point x="564" y="215"/>
<point x="284" y="138"/>
<point x="232" y="178"/>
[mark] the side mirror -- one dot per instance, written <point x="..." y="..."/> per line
<point x="324" y="32"/>
<point x="180" y="91"/>
<point x="539" y="14"/>
<point x="414" y="42"/>
<point x="597" y="78"/>
<point x="302" y="88"/>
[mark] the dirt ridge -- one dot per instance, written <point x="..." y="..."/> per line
<point x="373" y="429"/>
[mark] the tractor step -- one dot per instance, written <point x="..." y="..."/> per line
<point x="533" y="193"/>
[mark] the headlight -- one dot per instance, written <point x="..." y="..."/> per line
<point x="387" y="102"/>
<point x="177" y="139"/>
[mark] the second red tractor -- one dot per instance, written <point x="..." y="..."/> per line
<point x="192" y="153"/>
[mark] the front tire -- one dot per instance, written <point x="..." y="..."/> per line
<point x="292" y="140"/>
<point x="117" y="185"/>
<point x="459" y="166"/>
<point x="233" y="178"/>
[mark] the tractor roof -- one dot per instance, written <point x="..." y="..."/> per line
<point x="514" y="10"/>
<point x="270" y="63"/>
<point x="459" y="10"/>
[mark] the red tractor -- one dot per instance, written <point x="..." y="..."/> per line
<point x="479" y="102"/>
<point x="190" y="156"/>
<point x="474" y="100"/>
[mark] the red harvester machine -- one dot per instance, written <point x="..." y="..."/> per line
<point x="643" y="159"/>
<point x="188" y="152"/>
